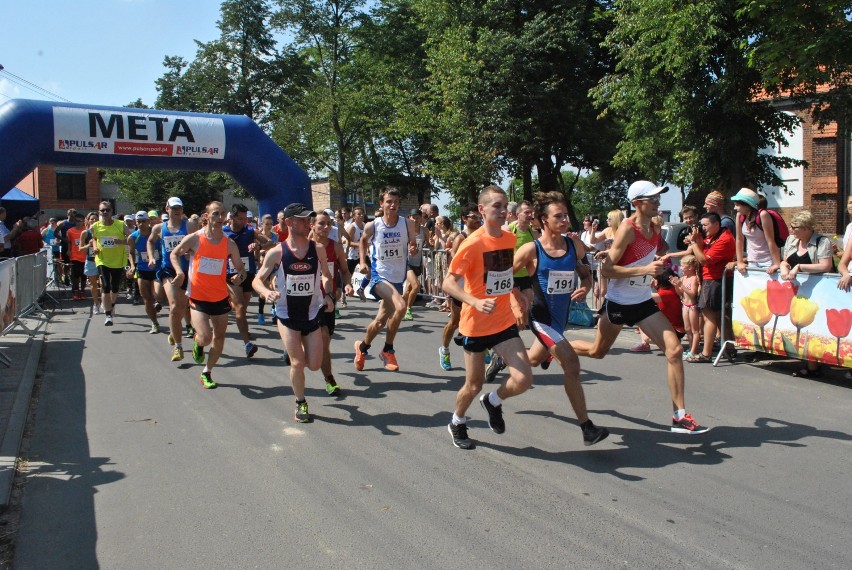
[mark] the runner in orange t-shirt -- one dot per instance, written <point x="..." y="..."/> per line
<point x="208" y="285"/>
<point x="492" y="312"/>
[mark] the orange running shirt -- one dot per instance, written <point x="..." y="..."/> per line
<point x="74" y="244"/>
<point x="207" y="281"/>
<point x="485" y="262"/>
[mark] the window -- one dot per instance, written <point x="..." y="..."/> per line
<point x="70" y="185"/>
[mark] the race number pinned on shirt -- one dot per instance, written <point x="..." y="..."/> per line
<point x="560" y="282"/>
<point x="499" y="282"/>
<point x="171" y="242"/>
<point x="107" y="242"/>
<point x="300" y="285"/>
<point x="210" y="266"/>
<point x="390" y="251"/>
<point x="232" y="269"/>
<point x="640" y="282"/>
<point x="143" y="255"/>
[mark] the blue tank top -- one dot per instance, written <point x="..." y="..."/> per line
<point x="141" y="246"/>
<point x="299" y="281"/>
<point x="553" y="283"/>
<point x="243" y="238"/>
<point x="168" y="242"/>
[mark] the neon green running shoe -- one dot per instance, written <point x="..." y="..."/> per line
<point x="207" y="381"/>
<point x="408" y="316"/>
<point x="197" y="353"/>
<point x="332" y="389"/>
<point x="302" y="415"/>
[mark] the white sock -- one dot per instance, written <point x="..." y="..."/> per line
<point x="206" y="369"/>
<point x="495" y="399"/>
<point x="457" y="421"/>
<point x="444" y="350"/>
<point x="679" y="415"/>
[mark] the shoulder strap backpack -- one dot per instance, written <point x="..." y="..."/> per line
<point x="782" y="232"/>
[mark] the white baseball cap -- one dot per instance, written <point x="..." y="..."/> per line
<point x="174" y="201"/>
<point x="644" y="189"/>
<point x="142" y="215"/>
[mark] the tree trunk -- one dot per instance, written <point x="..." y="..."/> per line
<point x="526" y="173"/>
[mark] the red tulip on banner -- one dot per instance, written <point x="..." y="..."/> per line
<point x="779" y="296"/>
<point x="839" y="324"/>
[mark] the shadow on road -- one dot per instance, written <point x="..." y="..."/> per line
<point x="653" y="446"/>
<point x="63" y="478"/>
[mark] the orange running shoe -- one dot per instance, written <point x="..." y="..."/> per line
<point x="389" y="358"/>
<point x="360" y="357"/>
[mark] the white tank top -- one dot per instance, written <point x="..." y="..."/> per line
<point x="389" y="250"/>
<point x="356" y="232"/>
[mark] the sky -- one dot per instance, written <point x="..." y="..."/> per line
<point x="101" y="52"/>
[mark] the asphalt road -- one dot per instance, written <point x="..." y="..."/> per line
<point x="134" y="465"/>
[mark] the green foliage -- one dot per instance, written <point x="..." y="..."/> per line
<point x="804" y="49"/>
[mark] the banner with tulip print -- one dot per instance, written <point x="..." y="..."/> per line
<point x="809" y="318"/>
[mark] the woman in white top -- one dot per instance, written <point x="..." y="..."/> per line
<point x="602" y="241"/>
<point x="755" y="234"/>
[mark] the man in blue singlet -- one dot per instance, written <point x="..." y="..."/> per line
<point x="551" y="263"/>
<point x="164" y="238"/>
<point x="386" y="243"/>
<point x="247" y="240"/>
<point x="144" y="273"/>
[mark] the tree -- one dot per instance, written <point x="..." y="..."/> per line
<point x="803" y="49"/>
<point x="324" y="34"/>
<point x="685" y="96"/>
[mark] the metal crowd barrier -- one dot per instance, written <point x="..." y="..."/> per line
<point x="725" y="316"/>
<point x="24" y="290"/>
<point x="435" y="266"/>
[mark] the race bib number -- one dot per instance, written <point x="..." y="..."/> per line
<point x="55" y="242"/>
<point x="300" y="285"/>
<point x="499" y="282"/>
<point x="107" y="242"/>
<point x="77" y="242"/>
<point x="143" y="255"/>
<point x="171" y="242"/>
<point x="232" y="269"/>
<point x="390" y="251"/>
<point x="640" y="282"/>
<point x="560" y="282"/>
<point x="210" y="266"/>
<point x="331" y="265"/>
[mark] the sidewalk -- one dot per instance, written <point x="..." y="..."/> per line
<point x="16" y="386"/>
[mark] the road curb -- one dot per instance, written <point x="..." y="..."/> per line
<point x="11" y="445"/>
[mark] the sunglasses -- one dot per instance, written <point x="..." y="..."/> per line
<point x="652" y="200"/>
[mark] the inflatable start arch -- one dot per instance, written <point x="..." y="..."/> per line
<point x="66" y="134"/>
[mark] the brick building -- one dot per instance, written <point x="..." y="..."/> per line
<point x="824" y="185"/>
<point x="324" y="198"/>
<point x="60" y="188"/>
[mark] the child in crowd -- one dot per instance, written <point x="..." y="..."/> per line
<point x="689" y="288"/>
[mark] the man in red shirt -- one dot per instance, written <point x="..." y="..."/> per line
<point x="714" y="251"/>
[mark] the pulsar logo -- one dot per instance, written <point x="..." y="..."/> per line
<point x="67" y="144"/>
<point x="300" y="266"/>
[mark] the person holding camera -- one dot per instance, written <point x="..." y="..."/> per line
<point x="714" y="251"/>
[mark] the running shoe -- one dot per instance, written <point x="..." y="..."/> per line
<point x="302" y="415"/>
<point x="687" y="355"/>
<point x="171" y="339"/>
<point x="197" y="353"/>
<point x="190" y="332"/>
<point x="177" y="354"/>
<point x="360" y="357"/>
<point x="157" y="306"/>
<point x="251" y="349"/>
<point x="495" y="415"/>
<point x="592" y="433"/>
<point x="155" y="328"/>
<point x="460" y="439"/>
<point x="286" y="359"/>
<point x="137" y="300"/>
<point x="494" y="369"/>
<point x="641" y="347"/>
<point x="488" y="354"/>
<point x="546" y="364"/>
<point x="444" y="358"/>
<point x="332" y="388"/>
<point x="336" y="313"/>
<point x="408" y="316"/>
<point x="96" y="309"/>
<point x="108" y="321"/>
<point x="389" y="360"/>
<point x="207" y="381"/>
<point x="687" y="425"/>
<point x="261" y="320"/>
